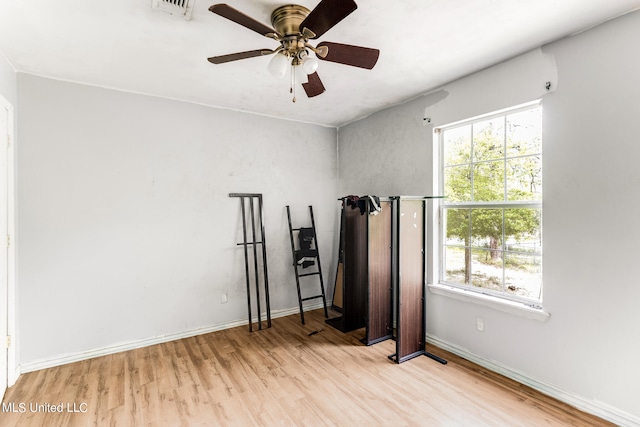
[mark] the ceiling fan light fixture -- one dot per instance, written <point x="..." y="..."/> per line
<point x="278" y="65"/>
<point x="310" y="65"/>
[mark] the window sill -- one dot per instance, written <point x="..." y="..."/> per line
<point x="512" y="307"/>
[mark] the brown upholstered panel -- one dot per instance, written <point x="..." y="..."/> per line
<point x="379" y="298"/>
<point x="411" y="285"/>
<point x="337" y="290"/>
<point x="355" y="269"/>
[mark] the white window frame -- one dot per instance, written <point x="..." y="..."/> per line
<point x="463" y="290"/>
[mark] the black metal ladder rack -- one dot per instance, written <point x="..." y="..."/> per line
<point x="301" y="256"/>
<point x="254" y="244"/>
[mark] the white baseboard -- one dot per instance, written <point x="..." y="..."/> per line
<point x="131" y="345"/>
<point x="594" y="407"/>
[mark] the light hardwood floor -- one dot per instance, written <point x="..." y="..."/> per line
<point x="280" y="376"/>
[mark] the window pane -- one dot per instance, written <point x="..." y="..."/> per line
<point x="522" y="229"/>
<point x="457" y="145"/>
<point x="454" y="265"/>
<point x="488" y="181"/>
<point x="488" y="139"/>
<point x="486" y="269"/>
<point x="457" y="183"/>
<point x="524" y="133"/>
<point x="457" y="226"/>
<point x="523" y="275"/>
<point x="524" y="178"/>
<point x="486" y="228"/>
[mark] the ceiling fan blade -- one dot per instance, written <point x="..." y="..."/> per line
<point x="314" y="86"/>
<point x="327" y="14"/>
<point x="356" y="56"/>
<point x="238" y="17"/>
<point x="237" y="56"/>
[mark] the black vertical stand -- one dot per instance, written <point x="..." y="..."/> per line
<point x="301" y="256"/>
<point x="254" y="244"/>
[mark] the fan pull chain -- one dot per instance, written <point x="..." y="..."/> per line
<point x="293" y="83"/>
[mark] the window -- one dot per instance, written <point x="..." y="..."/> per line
<point x="491" y="217"/>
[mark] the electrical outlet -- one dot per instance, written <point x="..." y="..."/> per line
<point x="223" y="298"/>
<point x="480" y="324"/>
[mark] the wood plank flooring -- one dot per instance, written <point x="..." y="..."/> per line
<point x="280" y="376"/>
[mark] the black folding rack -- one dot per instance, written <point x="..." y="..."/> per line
<point x="313" y="253"/>
<point x="254" y="243"/>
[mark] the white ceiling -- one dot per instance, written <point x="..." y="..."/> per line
<point x="124" y="44"/>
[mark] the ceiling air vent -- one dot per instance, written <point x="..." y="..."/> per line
<point x="174" y="7"/>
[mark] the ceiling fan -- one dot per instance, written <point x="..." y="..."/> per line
<point x="293" y="27"/>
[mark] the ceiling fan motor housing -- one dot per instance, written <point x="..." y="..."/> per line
<point x="286" y="19"/>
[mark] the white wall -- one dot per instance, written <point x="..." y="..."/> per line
<point x="8" y="85"/>
<point x="8" y="92"/>
<point x="588" y="351"/>
<point x="126" y="229"/>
